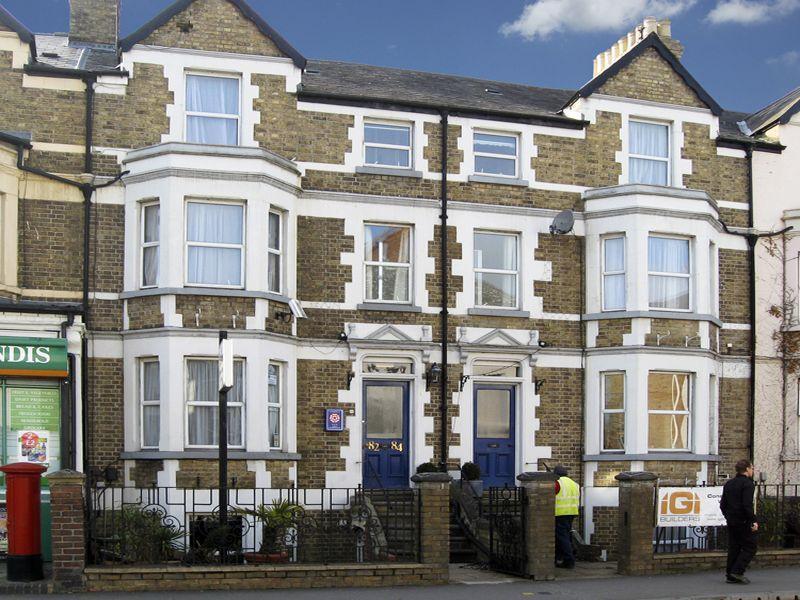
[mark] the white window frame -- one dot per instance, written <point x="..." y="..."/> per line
<point x="278" y="405"/>
<point x="619" y="236"/>
<point x="380" y="264"/>
<point x="688" y="275"/>
<point x="607" y="411"/>
<point x="276" y="251"/>
<point x="687" y="412"/>
<point x="517" y="273"/>
<point x="187" y="243"/>
<point x="142" y="402"/>
<point x="188" y="113"/>
<point x="143" y="244"/>
<point x="410" y="147"/>
<point x="187" y="404"/>
<point x="475" y="153"/>
<point x="667" y="159"/>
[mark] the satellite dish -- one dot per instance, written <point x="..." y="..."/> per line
<point x="563" y="222"/>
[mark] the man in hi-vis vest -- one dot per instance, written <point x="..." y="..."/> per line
<point x="568" y="497"/>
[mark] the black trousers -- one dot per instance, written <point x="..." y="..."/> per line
<point x="742" y="544"/>
<point x="564" y="540"/>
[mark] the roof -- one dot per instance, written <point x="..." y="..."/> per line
<point x="349" y="81"/>
<point x="180" y="5"/>
<point x="779" y="112"/>
<point x="56" y="50"/>
<point x="651" y="41"/>
<point x="10" y="21"/>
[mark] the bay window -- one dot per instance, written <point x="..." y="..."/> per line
<point x="150" y="402"/>
<point x="149" y="244"/>
<point x="648" y="153"/>
<point x="387" y="263"/>
<point x="496" y="271"/>
<point x="668" y="406"/>
<point x="202" y="403"/>
<point x="212" y="109"/>
<point x="614" y="273"/>
<point x="613" y="420"/>
<point x="274" y="252"/>
<point x="214" y="244"/>
<point x="669" y="272"/>
<point x="495" y="154"/>
<point x="274" y="405"/>
<point x="387" y="145"/>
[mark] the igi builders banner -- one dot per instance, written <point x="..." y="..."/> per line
<point x="689" y="507"/>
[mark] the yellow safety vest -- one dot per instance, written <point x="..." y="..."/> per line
<point x="568" y="497"/>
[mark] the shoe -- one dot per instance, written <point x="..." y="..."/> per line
<point x="735" y="578"/>
<point x="565" y="565"/>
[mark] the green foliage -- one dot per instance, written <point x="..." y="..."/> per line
<point x="140" y="536"/>
<point x="428" y="467"/>
<point x="274" y="518"/>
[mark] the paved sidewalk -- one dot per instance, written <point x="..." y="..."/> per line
<point x="767" y="584"/>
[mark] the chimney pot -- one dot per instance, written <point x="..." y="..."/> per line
<point x="665" y="28"/>
<point x="650" y="25"/>
<point x="94" y="21"/>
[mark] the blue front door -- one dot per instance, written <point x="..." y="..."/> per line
<point x="494" y="434"/>
<point x="385" y="462"/>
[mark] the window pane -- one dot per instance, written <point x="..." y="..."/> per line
<point x="212" y="94"/>
<point x="400" y="366"/>
<point x="212" y="130"/>
<point x="614" y="431"/>
<point x="649" y="139"/>
<point x="395" y="283"/>
<point x="204" y="425"/>
<point x="274" y="427"/>
<point x="274" y="240"/>
<point x="371" y="284"/>
<point x="495" y="144"/>
<point x="390" y="157"/>
<point x="669" y="292"/>
<point x="384" y="408"/>
<point x="151" y="223"/>
<point x="496" y="369"/>
<point x="495" y="166"/>
<point x="273" y="384"/>
<point x="150" y="381"/>
<point x="667" y="255"/>
<point x="151" y="415"/>
<point x="214" y="223"/>
<point x="668" y="391"/>
<point x="150" y="265"/>
<point x="395" y="135"/>
<point x="614" y="254"/>
<point x="614" y="292"/>
<point x="494" y="251"/>
<point x="216" y="266"/>
<point x="201" y="380"/>
<point x="614" y="391"/>
<point x="386" y="243"/>
<point x="274" y="273"/>
<point x="494" y="414"/>
<point x="495" y="289"/>
<point x="649" y="172"/>
<point x="668" y="432"/>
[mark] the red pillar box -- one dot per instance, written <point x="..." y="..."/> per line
<point x="23" y="501"/>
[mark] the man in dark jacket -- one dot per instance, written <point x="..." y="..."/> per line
<point x="737" y="506"/>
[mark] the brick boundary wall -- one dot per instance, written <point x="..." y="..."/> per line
<point x="68" y="529"/>
<point x="540" y="523"/>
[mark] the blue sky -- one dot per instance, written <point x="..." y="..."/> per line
<point x="746" y="53"/>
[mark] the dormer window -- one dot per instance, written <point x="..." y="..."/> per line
<point x="212" y="109"/>
<point x="648" y="153"/>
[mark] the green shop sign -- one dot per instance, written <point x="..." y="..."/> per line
<point x="33" y="357"/>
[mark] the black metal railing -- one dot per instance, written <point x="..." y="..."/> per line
<point x="333" y="525"/>
<point x="778" y="511"/>
<point x="505" y="513"/>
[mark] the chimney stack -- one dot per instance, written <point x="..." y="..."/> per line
<point x="94" y="21"/>
<point x="626" y="43"/>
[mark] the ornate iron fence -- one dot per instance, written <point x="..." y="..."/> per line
<point x="332" y="525"/>
<point x="778" y="511"/>
<point x="505" y="514"/>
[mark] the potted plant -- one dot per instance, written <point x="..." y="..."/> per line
<point x="428" y="467"/>
<point x="471" y="473"/>
<point x="275" y="519"/>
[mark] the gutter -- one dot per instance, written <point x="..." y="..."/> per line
<point x="51" y="71"/>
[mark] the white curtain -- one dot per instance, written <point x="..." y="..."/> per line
<point x="202" y="387"/>
<point x="648" y="139"/>
<point x="215" y="224"/>
<point x="384" y="244"/>
<point x="216" y="95"/>
<point x="151" y="413"/>
<point x="614" y="285"/>
<point x="665" y="255"/>
<point x="150" y="251"/>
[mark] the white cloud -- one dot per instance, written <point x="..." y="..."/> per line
<point x="787" y="59"/>
<point x="542" y="18"/>
<point x="747" y="12"/>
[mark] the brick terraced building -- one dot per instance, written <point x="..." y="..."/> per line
<point x="297" y="204"/>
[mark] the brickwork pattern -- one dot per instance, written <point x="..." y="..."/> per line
<point x="106" y="424"/>
<point x="215" y="312"/>
<point x="67" y="529"/>
<point x="434" y="523"/>
<point x="610" y="332"/>
<point x="739" y="340"/>
<point x="433" y="151"/>
<point x="678" y="330"/>
<point x="279" y="471"/>
<point x="104" y="315"/>
<point x="606" y="471"/>
<point x="605" y="529"/>
<point x="635" y="519"/>
<point x="433" y="410"/>
<point x="199" y="473"/>
<point x="723" y="177"/>
<point x="320" y="275"/>
<point x="278" y="325"/>
<point x="734" y="286"/>
<point x="540" y="539"/>
<point x="560" y="415"/>
<point x="733" y="217"/>
<point x="106" y="247"/>
<point x="734" y="423"/>
<point x="562" y="293"/>
<point x="674" y="473"/>
<point x="433" y="281"/>
<point x="94" y="21"/>
<point x="145" y="313"/>
<point x="144" y="473"/>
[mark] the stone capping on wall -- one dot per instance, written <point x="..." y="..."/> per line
<point x="211" y="150"/>
<point x="206" y="454"/>
<point x="498" y="312"/>
<point x="652" y="314"/>
<point x="665" y="456"/>
<point x="370" y="170"/>
<point x="203" y="291"/>
<point x="636" y="476"/>
<point x="641" y="189"/>
<point x="498" y="180"/>
<point x="537" y="476"/>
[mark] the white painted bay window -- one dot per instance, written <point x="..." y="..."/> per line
<point x="150" y="402"/>
<point x="614" y="273"/>
<point x="648" y="153"/>
<point x="214" y="244"/>
<point x="668" y="408"/>
<point x="613" y="421"/>
<point x="669" y="273"/>
<point x="212" y="109"/>
<point x="496" y="270"/>
<point x="274" y="405"/>
<point x="275" y="252"/>
<point x="387" y="145"/>
<point x="387" y="263"/>
<point x="495" y="154"/>
<point x="149" y="242"/>
<point x="202" y="404"/>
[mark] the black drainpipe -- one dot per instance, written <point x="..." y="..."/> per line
<point x="752" y="240"/>
<point x="444" y="271"/>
